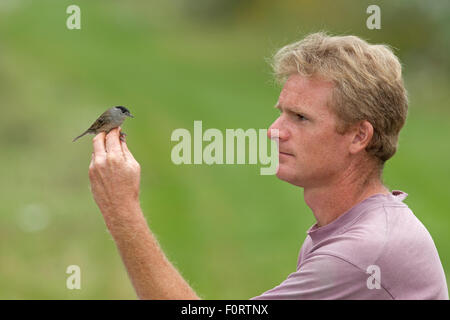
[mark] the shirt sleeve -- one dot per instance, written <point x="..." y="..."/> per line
<point x="326" y="277"/>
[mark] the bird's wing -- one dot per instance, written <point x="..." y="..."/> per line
<point x="100" y="122"/>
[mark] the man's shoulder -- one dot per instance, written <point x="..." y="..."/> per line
<point x="376" y="231"/>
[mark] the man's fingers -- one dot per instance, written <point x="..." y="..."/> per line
<point x="126" y="151"/>
<point x="91" y="167"/>
<point x="113" y="142"/>
<point x="99" y="145"/>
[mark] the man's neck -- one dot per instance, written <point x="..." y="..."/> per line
<point x="331" y="201"/>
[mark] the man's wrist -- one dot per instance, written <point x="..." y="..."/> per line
<point x="124" y="218"/>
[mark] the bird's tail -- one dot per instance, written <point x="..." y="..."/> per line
<point x="84" y="133"/>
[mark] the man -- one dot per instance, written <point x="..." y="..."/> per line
<point x="342" y="106"/>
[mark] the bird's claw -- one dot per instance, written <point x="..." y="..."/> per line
<point x="122" y="136"/>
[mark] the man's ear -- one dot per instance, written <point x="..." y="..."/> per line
<point x="362" y="134"/>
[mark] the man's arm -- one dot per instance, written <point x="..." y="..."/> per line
<point x="327" y="277"/>
<point x="115" y="179"/>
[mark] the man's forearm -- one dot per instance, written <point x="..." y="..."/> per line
<point x="152" y="275"/>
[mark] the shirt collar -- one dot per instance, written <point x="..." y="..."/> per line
<point x="339" y="225"/>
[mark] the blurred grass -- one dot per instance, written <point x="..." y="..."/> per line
<point x="231" y="232"/>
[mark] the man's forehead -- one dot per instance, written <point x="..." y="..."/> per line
<point x="305" y="92"/>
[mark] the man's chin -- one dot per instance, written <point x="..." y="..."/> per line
<point x="288" y="177"/>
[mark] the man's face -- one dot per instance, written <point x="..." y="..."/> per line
<point x="312" y="153"/>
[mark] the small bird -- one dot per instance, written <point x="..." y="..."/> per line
<point x="110" y="119"/>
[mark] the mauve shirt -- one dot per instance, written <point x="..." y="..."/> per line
<point x="376" y="250"/>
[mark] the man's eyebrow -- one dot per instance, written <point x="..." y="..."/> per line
<point x="278" y="106"/>
<point x="293" y="109"/>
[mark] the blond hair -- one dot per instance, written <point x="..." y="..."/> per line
<point x="367" y="79"/>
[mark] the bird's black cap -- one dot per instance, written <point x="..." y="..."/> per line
<point x="124" y="110"/>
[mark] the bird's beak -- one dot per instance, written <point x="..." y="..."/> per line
<point x="130" y="115"/>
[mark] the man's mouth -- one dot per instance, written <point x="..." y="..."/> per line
<point x="286" y="154"/>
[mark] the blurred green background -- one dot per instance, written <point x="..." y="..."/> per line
<point x="231" y="232"/>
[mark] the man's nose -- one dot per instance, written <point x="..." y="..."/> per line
<point x="277" y="129"/>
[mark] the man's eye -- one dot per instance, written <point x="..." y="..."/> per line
<point x="300" y="117"/>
